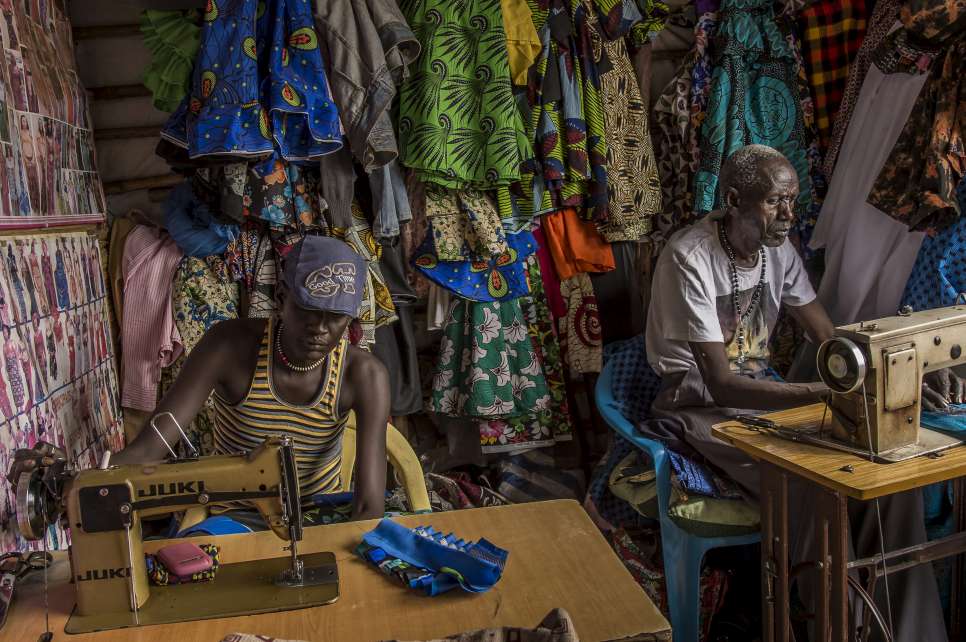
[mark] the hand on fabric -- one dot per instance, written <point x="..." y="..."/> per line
<point x="941" y="388"/>
<point x="26" y="460"/>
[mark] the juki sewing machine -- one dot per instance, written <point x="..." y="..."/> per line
<point x="874" y="370"/>
<point x="104" y="510"/>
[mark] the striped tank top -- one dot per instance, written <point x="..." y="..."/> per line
<point x="315" y="429"/>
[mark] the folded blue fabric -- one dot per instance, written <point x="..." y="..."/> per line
<point x="217" y="525"/>
<point x="952" y="421"/>
<point x="192" y="225"/>
<point x="423" y="558"/>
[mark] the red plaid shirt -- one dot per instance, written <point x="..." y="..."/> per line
<point x="831" y="34"/>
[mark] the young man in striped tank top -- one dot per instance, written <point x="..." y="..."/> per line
<point x="294" y="374"/>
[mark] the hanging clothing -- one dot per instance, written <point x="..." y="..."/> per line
<point x="150" y="338"/>
<point x="566" y="117"/>
<point x="261" y="298"/>
<point x="487" y="365"/>
<point x="368" y="47"/>
<point x="868" y="256"/>
<point x="879" y="24"/>
<point x="754" y="99"/>
<point x="678" y="114"/>
<point x="498" y="278"/>
<point x="459" y="125"/>
<point x="522" y="42"/>
<point x="938" y="277"/>
<point x="549" y="279"/>
<point x="390" y="202"/>
<point x="917" y="185"/>
<point x="315" y="428"/>
<point x="831" y="32"/>
<point x="575" y="245"/>
<point x="633" y="185"/>
<point x="199" y="300"/>
<point x="654" y="15"/>
<point x="192" y="225"/>
<point x="172" y="37"/>
<point x="580" y="332"/>
<point x="259" y="87"/>
<point x="465" y="224"/>
<point x="544" y="426"/>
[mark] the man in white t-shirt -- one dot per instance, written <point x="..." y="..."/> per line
<point x="715" y="297"/>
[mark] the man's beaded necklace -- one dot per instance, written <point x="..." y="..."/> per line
<point x="288" y="364"/>
<point x="755" y="296"/>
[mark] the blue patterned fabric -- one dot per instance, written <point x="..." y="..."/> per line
<point x="939" y="274"/>
<point x="500" y="278"/>
<point x="635" y="384"/>
<point x="192" y="225"/>
<point x="426" y="559"/>
<point x="258" y="87"/>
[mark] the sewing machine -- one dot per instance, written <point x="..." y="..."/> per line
<point x="104" y="509"/>
<point x="874" y="370"/>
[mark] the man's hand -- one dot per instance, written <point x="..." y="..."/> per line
<point x="26" y="460"/>
<point x="941" y="388"/>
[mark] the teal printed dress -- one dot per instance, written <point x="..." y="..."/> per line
<point x="754" y="99"/>
<point x="258" y="86"/>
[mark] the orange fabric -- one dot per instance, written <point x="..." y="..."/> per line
<point x="575" y="245"/>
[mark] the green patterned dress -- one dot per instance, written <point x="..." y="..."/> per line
<point x="459" y="125"/>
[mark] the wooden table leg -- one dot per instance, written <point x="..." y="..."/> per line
<point x="958" y="597"/>
<point x="832" y="509"/>
<point x="774" y="553"/>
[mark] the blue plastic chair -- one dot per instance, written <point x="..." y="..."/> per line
<point x="683" y="551"/>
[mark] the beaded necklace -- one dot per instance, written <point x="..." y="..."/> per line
<point x="755" y="296"/>
<point x="288" y="364"/>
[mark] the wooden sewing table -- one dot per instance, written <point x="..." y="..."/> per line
<point x="835" y="477"/>
<point x="558" y="558"/>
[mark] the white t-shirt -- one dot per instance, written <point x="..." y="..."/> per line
<point x="691" y="299"/>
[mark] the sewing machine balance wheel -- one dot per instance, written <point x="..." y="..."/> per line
<point x="842" y="365"/>
<point x="36" y="507"/>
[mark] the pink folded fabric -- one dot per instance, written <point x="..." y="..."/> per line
<point x="149" y="337"/>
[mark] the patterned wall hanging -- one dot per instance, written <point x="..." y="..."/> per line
<point x="48" y="175"/>
<point x="58" y="381"/>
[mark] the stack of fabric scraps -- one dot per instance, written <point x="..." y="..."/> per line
<point x="424" y="559"/>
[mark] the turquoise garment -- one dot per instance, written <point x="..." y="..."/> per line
<point x="754" y="99"/>
<point x="954" y="421"/>
<point x="259" y="87"/>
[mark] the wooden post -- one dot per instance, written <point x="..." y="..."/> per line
<point x="106" y="31"/>
<point x="118" y="92"/>
<point x="126" y="133"/>
<point x="135" y="184"/>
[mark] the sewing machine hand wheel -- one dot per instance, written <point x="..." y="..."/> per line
<point x="37" y="476"/>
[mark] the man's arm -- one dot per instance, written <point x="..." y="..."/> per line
<point x="730" y="390"/>
<point x="184" y="399"/>
<point x="368" y="389"/>
<point x="814" y="320"/>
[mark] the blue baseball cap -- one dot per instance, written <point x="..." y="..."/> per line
<point x="324" y="273"/>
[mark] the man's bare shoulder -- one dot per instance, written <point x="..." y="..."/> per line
<point x="363" y="366"/>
